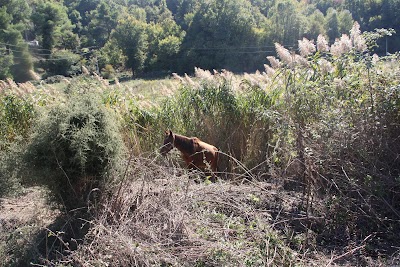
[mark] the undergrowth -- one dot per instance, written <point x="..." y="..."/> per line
<point x="73" y="148"/>
<point x="309" y="161"/>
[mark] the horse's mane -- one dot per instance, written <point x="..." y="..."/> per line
<point x="185" y="143"/>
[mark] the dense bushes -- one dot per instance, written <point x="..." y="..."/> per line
<point x="73" y="147"/>
<point x="326" y="118"/>
<point x="16" y="117"/>
<point x="62" y="62"/>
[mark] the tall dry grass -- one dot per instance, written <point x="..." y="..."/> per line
<point x="161" y="217"/>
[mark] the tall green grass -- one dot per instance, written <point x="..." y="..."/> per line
<point x="326" y="118"/>
<point x="237" y="123"/>
<point x="16" y="117"/>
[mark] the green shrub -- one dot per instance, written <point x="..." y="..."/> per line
<point x="16" y="116"/>
<point x="62" y="62"/>
<point x="10" y="159"/>
<point x="108" y="71"/>
<point x="73" y="147"/>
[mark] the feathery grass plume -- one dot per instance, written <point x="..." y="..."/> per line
<point x="357" y="38"/>
<point x="189" y="80"/>
<point x="203" y="74"/>
<point x="235" y="80"/>
<point x="177" y="77"/>
<point x="256" y="79"/>
<point x="3" y="86"/>
<point x="275" y="63"/>
<point x="283" y="54"/>
<point x="346" y="43"/>
<point x="306" y="47"/>
<point x="227" y="74"/>
<point x="340" y="84"/>
<point x="336" y="48"/>
<point x="34" y="76"/>
<point x="322" y="44"/>
<point x="66" y="81"/>
<point x="11" y="83"/>
<point x="268" y="70"/>
<point x="301" y="61"/>
<point x="117" y="82"/>
<point x="101" y="80"/>
<point x="341" y="46"/>
<point x="325" y="66"/>
<point x="85" y="71"/>
<point x="27" y="87"/>
<point x="375" y="59"/>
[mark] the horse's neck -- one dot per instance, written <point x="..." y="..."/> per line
<point x="183" y="144"/>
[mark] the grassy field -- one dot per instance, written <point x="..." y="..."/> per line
<point x="308" y="172"/>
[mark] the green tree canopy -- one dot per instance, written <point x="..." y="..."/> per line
<point x="102" y="21"/>
<point x="15" y="60"/>
<point x="131" y="36"/>
<point x="219" y="32"/>
<point x="51" y="23"/>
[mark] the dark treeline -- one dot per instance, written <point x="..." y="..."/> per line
<point x="172" y="35"/>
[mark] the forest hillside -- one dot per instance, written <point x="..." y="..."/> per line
<point x="39" y="39"/>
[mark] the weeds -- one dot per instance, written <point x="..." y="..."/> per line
<point x="310" y="161"/>
<point x="173" y="221"/>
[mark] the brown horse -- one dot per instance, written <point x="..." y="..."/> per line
<point x="196" y="153"/>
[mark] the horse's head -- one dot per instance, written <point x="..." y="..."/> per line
<point x="168" y="143"/>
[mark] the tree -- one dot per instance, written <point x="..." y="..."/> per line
<point x="19" y="10"/>
<point x="345" y="21"/>
<point x="15" y="59"/>
<point x="102" y="21"/>
<point x="51" y="22"/>
<point x="63" y="62"/>
<point x="182" y="10"/>
<point x="23" y="64"/>
<point x="165" y="39"/>
<point x="6" y="60"/>
<point x="287" y="22"/>
<point x="219" y="36"/>
<point x="110" y="54"/>
<point x="315" y="25"/>
<point x="131" y="36"/>
<point x="332" y="24"/>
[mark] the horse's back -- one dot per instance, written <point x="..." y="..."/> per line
<point x="203" y="151"/>
<point x="200" y="146"/>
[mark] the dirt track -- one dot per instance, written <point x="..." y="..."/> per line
<point x="30" y="206"/>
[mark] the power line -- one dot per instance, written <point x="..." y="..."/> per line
<point x="42" y="49"/>
<point x="48" y="59"/>
<point x="235" y="47"/>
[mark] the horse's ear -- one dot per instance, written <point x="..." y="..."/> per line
<point x="170" y="133"/>
<point x="166" y="132"/>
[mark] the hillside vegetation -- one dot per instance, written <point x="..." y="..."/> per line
<point x="43" y="38"/>
<point x="309" y="166"/>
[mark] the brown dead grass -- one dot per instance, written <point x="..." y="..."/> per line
<point x="159" y="216"/>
